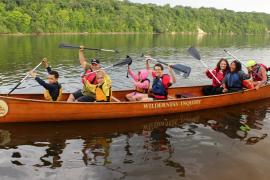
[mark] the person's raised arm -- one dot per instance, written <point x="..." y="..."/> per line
<point x="40" y="81"/>
<point x="172" y="75"/>
<point x="147" y="59"/>
<point x="82" y="58"/>
<point x="46" y="65"/>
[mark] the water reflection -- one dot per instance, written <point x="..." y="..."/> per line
<point x="176" y="144"/>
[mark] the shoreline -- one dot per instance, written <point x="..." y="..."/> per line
<point x="124" y="33"/>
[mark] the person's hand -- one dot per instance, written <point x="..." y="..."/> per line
<point x="81" y="48"/>
<point x="257" y="87"/>
<point x="33" y="74"/>
<point x="45" y="62"/>
<point x="170" y="67"/>
<point x="147" y="58"/>
<point x="225" y="90"/>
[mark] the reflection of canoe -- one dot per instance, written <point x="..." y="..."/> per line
<point x="14" y="134"/>
<point x="31" y="107"/>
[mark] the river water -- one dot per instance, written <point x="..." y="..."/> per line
<point x="227" y="143"/>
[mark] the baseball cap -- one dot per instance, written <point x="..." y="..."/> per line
<point x="95" y="61"/>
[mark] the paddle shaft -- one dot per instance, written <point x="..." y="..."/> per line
<point x="159" y="61"/>
<point x="210" y="71"/>
<point x="27" y="75"/>
<point x="235" y="57"/>
<point x="240" y="62"/>
<point x="93" y="49"/>
<point x="87" y="74"/>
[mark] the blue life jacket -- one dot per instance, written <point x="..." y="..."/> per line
<point x="158" y="87"/>
<point x="233" y="81"/>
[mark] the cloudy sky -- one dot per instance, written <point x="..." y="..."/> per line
<point x="237" y="5"/>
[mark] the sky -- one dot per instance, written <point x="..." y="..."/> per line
<point x="236" y="5"/>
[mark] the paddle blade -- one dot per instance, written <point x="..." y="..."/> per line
<point x="128" y="60"/>
<point x="181" y="69"/>
<point x="62" y="45"/>
<point x="194" y="53"/>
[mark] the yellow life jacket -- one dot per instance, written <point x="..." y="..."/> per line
<point x="100" y="95"/>
<point x="48" y="97"/>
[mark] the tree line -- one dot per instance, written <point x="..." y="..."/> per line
<point x="93" y="16"/>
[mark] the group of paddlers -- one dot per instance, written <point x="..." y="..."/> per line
<point x="231" y="78"/>
<point x="97" y="84"/>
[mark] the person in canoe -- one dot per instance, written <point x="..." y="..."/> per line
<point x="219" y="72"/>
<point x="90" y="70"/>
<point x="233" y="80"/>
<point x="142" y="85"/>
<point x="161" y="81"/>
<point x="102" y="90"/>
<point x="258" y="72"/>
<point x="53" y="88"/>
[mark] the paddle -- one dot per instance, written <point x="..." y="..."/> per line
<point x="194" y="53"/>
<point x="127" y="60"/>
<point x="235" y="57"/>
<point x="24" y="79"/>
<point x="93" y="49"/>
<point x="177" y="68"/>
<point x="240" y="61"/>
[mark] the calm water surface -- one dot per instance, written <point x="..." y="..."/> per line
<point x="228" y="143"/>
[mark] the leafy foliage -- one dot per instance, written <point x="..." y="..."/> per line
<point x="37" y="16"/>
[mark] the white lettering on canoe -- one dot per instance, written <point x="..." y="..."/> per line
<point x="160" y="105"/>
<point x="3" y="108"/>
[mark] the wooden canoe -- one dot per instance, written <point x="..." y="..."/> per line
<point x="33" y="108"/>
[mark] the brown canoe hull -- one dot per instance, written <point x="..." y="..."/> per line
<point x="31" y="107"/>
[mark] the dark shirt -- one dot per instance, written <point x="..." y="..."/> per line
<point x="54" y="89"/>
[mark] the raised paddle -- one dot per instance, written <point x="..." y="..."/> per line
<point x="240" y="61"/>
<point x="177" y="68"/>
<point x="27" y="75"/>
<point x="92" y="49"/>
<point x="194" y="53"/>
<point x="235" y="57"/>
<point x="127" y="60"/>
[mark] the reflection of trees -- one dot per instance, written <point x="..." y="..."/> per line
<point x="238" y="124"/>
<point x="55" y="148"/>
<point x="158" y="147"/>
<point x="96" y="148"/>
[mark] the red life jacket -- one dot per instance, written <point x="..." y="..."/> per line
<point x="219" y="75"/>
<point x="160" y="86"/>
<point x="255" y="74"/>
<point x="91" y="77"/>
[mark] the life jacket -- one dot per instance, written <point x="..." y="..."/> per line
<point x="160" y="86"/>
<point x="234" y="81"/>
<point x="219" y="75"/>
<point x="255" y="74"/>
<point x="48" y="96"/>
<point x="100" y="95"/>
<point x="90" y="77"/>
<point x="143" y="90"/>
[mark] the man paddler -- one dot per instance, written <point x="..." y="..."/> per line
<point x="90" y="71"/>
